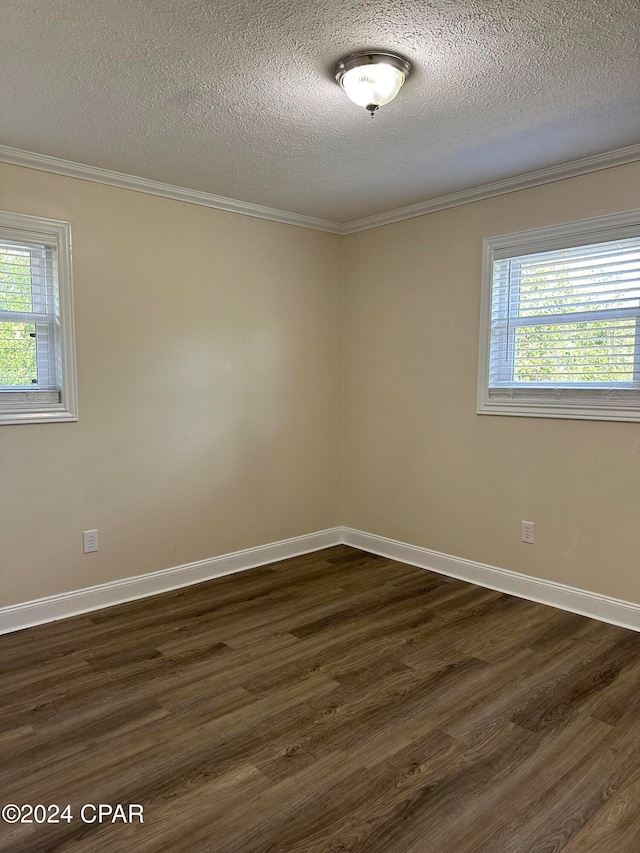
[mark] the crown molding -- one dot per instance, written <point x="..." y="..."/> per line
<point x="44" y="163"/>
<point x="619" y="157"/>
<point x="56" y="166"/>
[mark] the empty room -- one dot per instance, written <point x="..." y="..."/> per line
<point x="319" y="426"/>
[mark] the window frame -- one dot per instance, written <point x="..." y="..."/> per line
<point x="22" y="406"/>
<point x="560" y="401"/>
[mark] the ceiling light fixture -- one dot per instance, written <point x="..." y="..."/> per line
<point x="371" y="79"/>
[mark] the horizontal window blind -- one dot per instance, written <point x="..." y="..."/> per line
<point x="567" y="320"/>
<point x="37" y="343"/>
<point x="30" y="352"/>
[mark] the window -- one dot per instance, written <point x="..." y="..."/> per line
<point x="560" y="333"/>
<point x="37" y="358"/>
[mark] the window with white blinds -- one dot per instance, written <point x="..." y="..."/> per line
<point x="560" y="330"/>
<point x="37" y="364"/>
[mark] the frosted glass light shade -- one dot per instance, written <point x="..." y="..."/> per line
<point x="373" y="84"/>
<point x="372" y="79"/>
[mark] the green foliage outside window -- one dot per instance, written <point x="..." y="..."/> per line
<point x="18" y="366"/>
<point x="591" y="351"/>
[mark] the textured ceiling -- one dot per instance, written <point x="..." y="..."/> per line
<point x="236" y="98"/>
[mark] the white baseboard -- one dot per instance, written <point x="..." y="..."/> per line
<point x="602" y="607"/>
<point x="53" y="607"/>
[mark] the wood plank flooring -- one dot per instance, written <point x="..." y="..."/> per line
<point x="333" y="702"/>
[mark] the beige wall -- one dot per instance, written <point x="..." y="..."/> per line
<point x="420" y="465"/>
<point x="209" y="390"/>
<point x="210" y="372"/>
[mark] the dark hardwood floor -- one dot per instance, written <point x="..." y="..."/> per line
<point x="333" y="702"/>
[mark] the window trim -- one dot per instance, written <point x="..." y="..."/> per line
<point x="25" y="406"/>
<point x="560" y="402"/>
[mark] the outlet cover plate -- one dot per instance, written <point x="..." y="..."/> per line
<point x="528" y="532"/>
<point x="89" y="541"/>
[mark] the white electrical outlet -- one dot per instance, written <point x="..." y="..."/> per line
<point x="89" y="541"/>
<point x="528" y="532"/>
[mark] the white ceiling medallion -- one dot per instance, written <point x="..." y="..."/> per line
<point x="372" y="79"/>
